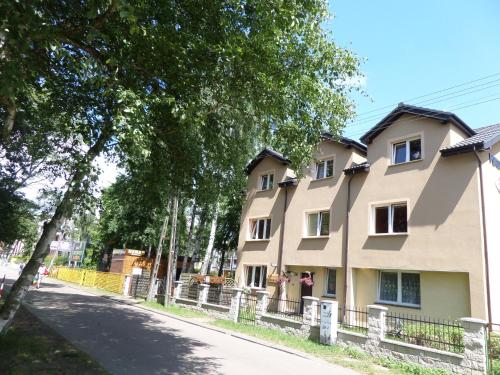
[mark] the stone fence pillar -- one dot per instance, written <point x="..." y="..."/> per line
<point x="203" y="293"/>
<point x="126" y="285"/>
<point x="376" y="325"/>
<point x="177" y="290"/>
<point x="475" y="338"/>
<point x="310" y="316"/>
<point x="262" y="302"/>
<point x="235" y="304"/>
<point x="329" y="313"/>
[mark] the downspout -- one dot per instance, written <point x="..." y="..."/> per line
<point x="485" y="240"/>
<point x="346" y="245"/>
<point x="282" y="234"/>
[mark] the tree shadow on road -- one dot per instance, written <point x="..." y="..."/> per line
<point x="123" y="339"/>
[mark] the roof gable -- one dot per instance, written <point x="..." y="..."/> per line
<point x="402" y="109"/>
<point x="267" y="152"/>
<point x="484" y="138"/>
<point x="347" y="142"/>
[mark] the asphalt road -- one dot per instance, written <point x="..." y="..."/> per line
<point x="129" y="340"/>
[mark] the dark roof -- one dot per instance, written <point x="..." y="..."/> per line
<point x="401" y="109"/>
<point x="483" y="138"/>
<point x="347" y="142"/>
<point x="356" y="168"/>
<point x="267" y="152"/>
<point x="289" y="181"/>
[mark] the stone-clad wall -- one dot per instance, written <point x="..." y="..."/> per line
<point x="472" y="362"/>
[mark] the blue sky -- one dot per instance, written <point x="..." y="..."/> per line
<point x="413" y="48"/>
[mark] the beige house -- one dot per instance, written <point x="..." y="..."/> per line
<point x="411" y="220"/>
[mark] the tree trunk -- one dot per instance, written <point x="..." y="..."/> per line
<point x="222" y="256"/>
<point x="211" y="240"/>
<point x="189" y="240"/>
<point x="168" y="285"/>
<point x="63" y="211"/>
<point x="199" y="235"/>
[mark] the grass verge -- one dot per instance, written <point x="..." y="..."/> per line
<point x="30" y="347"/>
<point x="175" y="309"/>
<point x="343" y="356"/>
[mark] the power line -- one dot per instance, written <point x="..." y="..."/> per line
<point x="432" y="93"/>
<point x="421" y="117"/>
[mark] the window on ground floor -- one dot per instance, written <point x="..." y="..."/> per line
<point x="331" y="282"/>
<point x="399" y="288"/>
<point x="256" y="276"/>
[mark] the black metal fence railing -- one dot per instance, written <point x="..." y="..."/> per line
<point x="247" y="312"/>
<point x="447" y="335"/>
<point x="285" y="308"/>
<point x="193" y="292"/>
<point x="352" y="318"/>
<point x="139" y="286"/>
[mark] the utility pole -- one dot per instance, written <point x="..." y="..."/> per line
<point x="168" y="285"/>
<point x="156" y="266"/>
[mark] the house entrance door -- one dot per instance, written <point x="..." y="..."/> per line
<point x="305" y="289"/>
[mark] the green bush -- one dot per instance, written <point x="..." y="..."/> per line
<point x="495" y="345"/>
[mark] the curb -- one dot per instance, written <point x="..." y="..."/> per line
<point x="137" y="304"/>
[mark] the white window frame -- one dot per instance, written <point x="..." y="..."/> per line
<point x="407" y="140"/>
<point x="252" y="267"/>
<point x="390" y="204"/>
<point x="318" y="227"/>
<point x="268" y="174"/>
<point x="257" y="219"/>
<point x="324" y="160"/>
<point x="327" y="270"/>
<point x="399" y="301"/>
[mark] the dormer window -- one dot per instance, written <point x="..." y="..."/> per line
<point x="407" y="150"/>
<point x="266" y="181"/>
<point x="324" y="169"/>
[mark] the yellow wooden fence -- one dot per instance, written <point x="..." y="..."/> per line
<point x="112" y="282"/>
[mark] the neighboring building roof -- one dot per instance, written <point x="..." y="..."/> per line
<point x="347" y="142"/>
<point x="483" y="138"/>
<point x="356" y="168"/>
<point x="267" y="152"/>
<point x="401" y="109"/>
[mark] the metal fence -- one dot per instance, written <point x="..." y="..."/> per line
<point x="112" y="282"/>
<point x="285" y="308"/>
<point x="439" y="334"/>
<point x="139" y="286"/>
<point x="352" y="318"/>
<point x="247" y="313"/>
<point x="217" y="295"/>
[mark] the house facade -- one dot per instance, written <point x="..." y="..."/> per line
<point x="409" y="218"/>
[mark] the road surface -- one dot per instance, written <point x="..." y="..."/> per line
<point x="128" y="340"/>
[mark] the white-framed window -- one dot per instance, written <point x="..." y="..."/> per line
<point x="256" y="276"/>
<point x="260" y="229"/>
<point x="331" y="282"/>
<point x="266" y="181"/>
<point x="318" y="224"/>
<point x="324" y="168"/>
<point x="407" y="150"/>
<point x="390" y="218"/>
<point x="401" y="288"/>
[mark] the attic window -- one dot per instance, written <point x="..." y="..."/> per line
<point x="406" y="151"/>
<point x="266" y="181"/>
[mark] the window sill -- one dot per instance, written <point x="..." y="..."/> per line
<point x="322" y="179"/>
<point x="314" y="237"/>
<point x="405" y="163"/>
<point x="389" y="234"/>
<point x="397" y="304"/>
<point x="264" y="191"/>
<point x="329" y="296"/>
<point x="259" y="240"/>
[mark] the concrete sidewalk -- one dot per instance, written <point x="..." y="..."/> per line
<point x="128" y="339"/>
